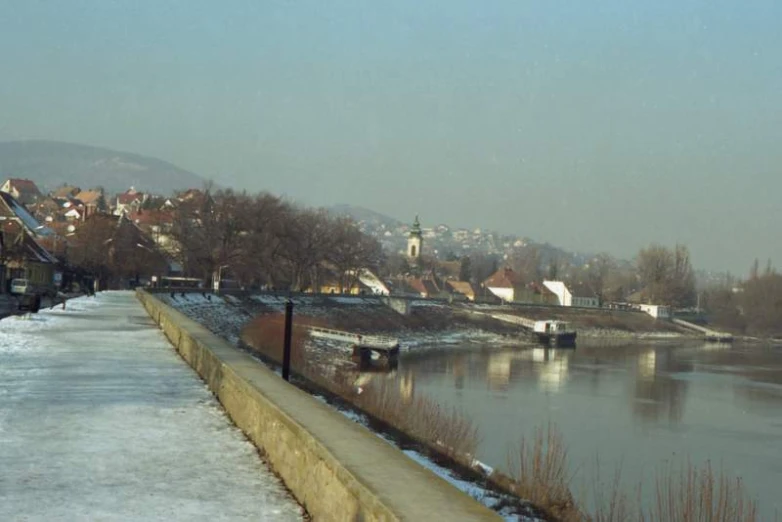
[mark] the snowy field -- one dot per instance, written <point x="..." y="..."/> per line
<point x="101" y="420"/>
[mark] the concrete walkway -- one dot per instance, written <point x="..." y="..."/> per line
<point x="101" y="420"/>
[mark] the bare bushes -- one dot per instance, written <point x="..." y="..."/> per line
<point x="421" y="418"/>
<point x="540" y="474"/>
<point x="539" y="470"/>
<point x="699" y="495"/>
<point x="417" y="416"/>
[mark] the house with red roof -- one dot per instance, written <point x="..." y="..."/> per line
<point x="463" y="288"/>
<point x="23" y="190"/>
<point x="129" y="201"/>
<point x="511" y="288"/>
<point x="21" y="253"/>
<point x="158" y="225"/>
<point x="504" y="283"/>
<point x="93" y="201"/>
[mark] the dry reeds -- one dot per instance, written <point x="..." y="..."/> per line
<point x="688" y="494"/>
<point x="699" y="495"/>
<point x="540" y="472"/>
<point x="419" y="417"/>
<point x="539" y="469"/>
<point x="610" y="503"/>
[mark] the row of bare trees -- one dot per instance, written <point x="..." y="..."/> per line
<point x="659" y="275"/>
<point x="753" y="306"/>
<point x="263" y="240"/>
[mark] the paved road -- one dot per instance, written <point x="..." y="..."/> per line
<point x="101" y="420"/>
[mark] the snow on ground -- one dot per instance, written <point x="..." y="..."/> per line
<point x="101" y="420"/>
<point x="220" y="315"/>
<point x="311" y="306"/>
<point x="354" y="301"/>
<point x="414" y="341"/>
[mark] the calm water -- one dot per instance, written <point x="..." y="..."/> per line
<point x="632" y="406"/>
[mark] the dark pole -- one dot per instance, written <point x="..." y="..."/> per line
<point x="286" y="349"/>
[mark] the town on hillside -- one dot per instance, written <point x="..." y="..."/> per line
<point x="83" y="239"/>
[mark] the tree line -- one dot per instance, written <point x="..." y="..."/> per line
<point x="253" y="239"/>
<point x="752" y="306"/>
<point x="658" y="275"/>
<point x="263" y="240"/>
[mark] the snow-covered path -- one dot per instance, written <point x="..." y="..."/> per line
<point x="101" y="420"/>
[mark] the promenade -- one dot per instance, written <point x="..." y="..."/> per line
<point x="101" y="420"/>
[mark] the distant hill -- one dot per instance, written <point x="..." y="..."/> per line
<point x="485" y="242"/>
<point x="51" y="163"/>
<point x="366" y="215"/>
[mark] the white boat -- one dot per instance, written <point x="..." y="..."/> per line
<point x="555" y="333"/>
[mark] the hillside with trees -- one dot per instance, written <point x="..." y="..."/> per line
<point x="50" y="163"/>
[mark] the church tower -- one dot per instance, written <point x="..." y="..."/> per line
<point x="415" y="242"/>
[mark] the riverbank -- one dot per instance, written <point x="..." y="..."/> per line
<point x="541" y="382"/>
<point x="430" y="319"/>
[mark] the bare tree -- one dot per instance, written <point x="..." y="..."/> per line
<point x="598" y="272"/>
<point x="211" y="232"/>
<point x="305" y="243"/>
<point x="88" y="248"/>
<point x="667" y="275"/>
<point x="351" y="250"/>
<point x="527" y="263"/>
<point x="266" y="222"/>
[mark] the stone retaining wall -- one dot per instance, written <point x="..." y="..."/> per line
<point x="337" y="469"/>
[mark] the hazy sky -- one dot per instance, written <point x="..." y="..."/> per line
<point x="592" y="125"/>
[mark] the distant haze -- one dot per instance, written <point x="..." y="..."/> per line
<point x="51" y="164"/>
<point x="597" y="126"/>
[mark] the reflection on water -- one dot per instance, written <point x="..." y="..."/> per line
<point x="658" y="395"/>
<point x="639" y="405"/>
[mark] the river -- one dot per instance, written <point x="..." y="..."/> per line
<point x="633" y="408"/>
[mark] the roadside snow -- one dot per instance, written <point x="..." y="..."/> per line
<point x="220" y="315"/>
<point x="101" y="420"/>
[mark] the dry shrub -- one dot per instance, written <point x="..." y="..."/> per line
<point x="687" y="493"/>
<point x="418" y="417"/>
<point x="421" y="418"/>
<point x="540" y="474"/>
<point x="610" y="505"/>
<point x="699" y="495"/>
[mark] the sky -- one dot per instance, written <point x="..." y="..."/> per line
<point x="595" y="126"/>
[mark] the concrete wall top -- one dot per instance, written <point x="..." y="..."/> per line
<point x="360" y="468"/>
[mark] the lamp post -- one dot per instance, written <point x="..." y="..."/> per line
<point x="286" y="347"/>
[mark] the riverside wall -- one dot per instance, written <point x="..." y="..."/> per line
<point x="336" y="468"/>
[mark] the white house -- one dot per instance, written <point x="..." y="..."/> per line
<point x="656" y="311"/>
<point x="73" y="214"/>
<point x="580" y="296"/>
<point x="560" y="289"/>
